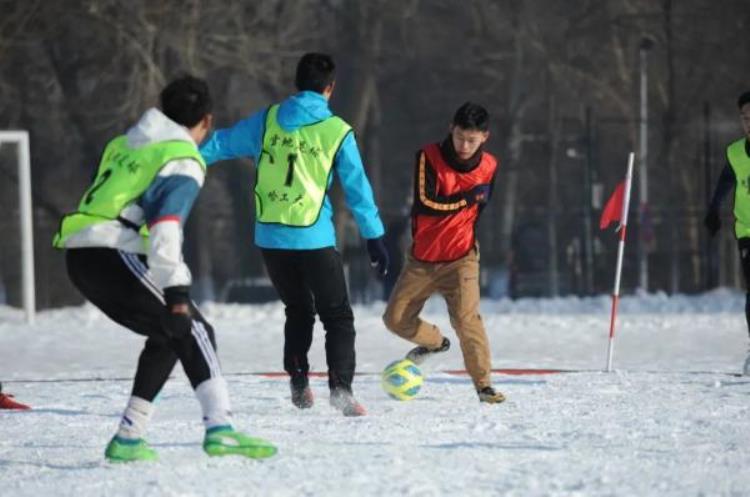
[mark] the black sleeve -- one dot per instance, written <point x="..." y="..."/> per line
<point x="727" y="181"/>
<point x="489" y="196"/>
<point x="426" y="198"/>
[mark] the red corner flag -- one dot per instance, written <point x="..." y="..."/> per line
<point x="613" y="210"/>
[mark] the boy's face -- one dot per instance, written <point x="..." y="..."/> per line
<point x="745" y="118"/>
<point x="466" y="142"/>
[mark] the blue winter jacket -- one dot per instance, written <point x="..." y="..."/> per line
<point x="245" y="139"/>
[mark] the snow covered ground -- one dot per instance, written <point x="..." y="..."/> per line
<point x="672" y="420"/>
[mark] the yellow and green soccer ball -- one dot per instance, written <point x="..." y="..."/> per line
<point x="402" y="379"/>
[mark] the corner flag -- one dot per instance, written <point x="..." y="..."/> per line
<point x="617" y="210"/>
<point x="613" y="209"/>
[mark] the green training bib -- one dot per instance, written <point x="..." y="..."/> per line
<point x="740" y="163"/>
<point x="123" y="175"/>
<point x="294" y="170"/>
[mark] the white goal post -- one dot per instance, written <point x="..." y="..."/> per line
<point x="21" y="138"/>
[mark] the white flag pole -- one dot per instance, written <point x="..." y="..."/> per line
<point x="620" y="253"/>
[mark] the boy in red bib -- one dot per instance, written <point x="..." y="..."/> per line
<point x="453" y="182"/>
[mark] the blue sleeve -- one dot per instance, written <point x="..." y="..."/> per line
<point x="244" y="139"/>
<point x="357" y="189"/>
<point x="169" y="198"/>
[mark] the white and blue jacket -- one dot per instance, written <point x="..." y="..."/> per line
<point x="164" y="207"/>
<point x="245" y="139"/>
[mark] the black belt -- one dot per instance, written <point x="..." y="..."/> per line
<point x="128" y="223"/>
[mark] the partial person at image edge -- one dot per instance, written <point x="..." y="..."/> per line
<point x="736" y="175"/>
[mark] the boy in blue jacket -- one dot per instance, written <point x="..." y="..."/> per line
<point x="297" y="146"/>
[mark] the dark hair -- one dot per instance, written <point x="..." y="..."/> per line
<point x="186" y="100"/>
<point x="744" y="99"/>
<point x="315" y="71"/>
<point x="472" y="116"/>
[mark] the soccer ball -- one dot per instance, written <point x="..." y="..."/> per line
<point x="402" y="379"/>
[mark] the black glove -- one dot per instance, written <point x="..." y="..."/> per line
<point x="480" y="194"/>
<point x="378" y="255"/>
<point x="712" y="222"/>
<point x="176" y="318"/>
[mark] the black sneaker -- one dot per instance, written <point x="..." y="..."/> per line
<point x="417" y="355"/>
<point x="344" y="401"/>
<point x="302" y="396"/>
<point x="490" y="395"/>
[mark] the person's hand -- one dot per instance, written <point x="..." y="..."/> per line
<point x="480" y="194"/>
<point x="712" y="222"/>
<point x="378" y="255"/>
<point x="176" y="318"/>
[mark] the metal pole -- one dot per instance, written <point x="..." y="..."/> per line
<point x="588" y="239"/>
<point x="710" y="262"/>
<point x="554" y="282"/>
<point x="620" y="254"/>
<point x="27" y="231"/>
<point x="646" y="45"/>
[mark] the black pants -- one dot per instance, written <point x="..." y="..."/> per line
<point x="119" y="284"/>
<point x="744" y="246"/>
<point x="310" y="281"/>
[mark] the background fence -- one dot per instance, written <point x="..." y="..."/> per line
<point x="562" y="82"/>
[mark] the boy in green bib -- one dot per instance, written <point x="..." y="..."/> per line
<point x="736" y="176"/>
<point x="123" y="249"/>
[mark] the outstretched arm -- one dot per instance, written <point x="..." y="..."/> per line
<point x="244" y="139"/>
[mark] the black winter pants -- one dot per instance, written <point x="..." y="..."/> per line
<point x="310" y="282"/>
<point x="744" y="246"/>
<point x="120" y="285"/>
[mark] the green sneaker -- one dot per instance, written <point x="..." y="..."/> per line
<point x="225" y="441"/>
<point x="127" y="450"/>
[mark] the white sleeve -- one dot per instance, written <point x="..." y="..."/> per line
<point x="167" y="205"/>
<point x="165" y="255"/>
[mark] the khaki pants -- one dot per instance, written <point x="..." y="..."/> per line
<point x="458" y="283"/>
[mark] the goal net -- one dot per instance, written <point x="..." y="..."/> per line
<point x="16" y="242"/>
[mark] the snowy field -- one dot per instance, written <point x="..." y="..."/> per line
<point x="673" y="420"/>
